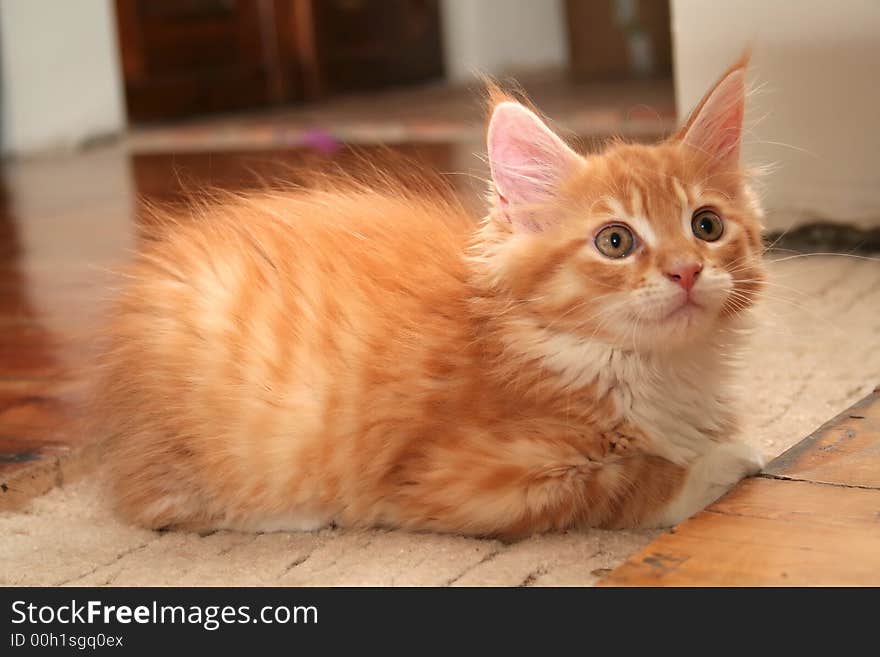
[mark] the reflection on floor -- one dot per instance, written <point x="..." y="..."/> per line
<point x="432" y="113"/>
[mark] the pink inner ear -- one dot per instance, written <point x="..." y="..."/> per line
<point x="717" y="129"/>
<point x="527" y="159"/>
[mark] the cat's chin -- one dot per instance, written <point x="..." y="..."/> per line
<point x="690" y="311"/>
<point x="673" y="329"/>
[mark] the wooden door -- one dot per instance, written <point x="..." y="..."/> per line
<point x="183" y="57"/>
<point x="615" y="39"/>
<point x="186" y="57"/>
<point x="369" y="44"/>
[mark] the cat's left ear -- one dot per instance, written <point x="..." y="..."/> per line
<point x="715" y="126"/>
<point x="529" y="162"/>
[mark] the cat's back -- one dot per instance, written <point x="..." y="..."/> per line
<point x="248" y="293"/>
<point x="329" y="232"/>
<point x="307" y="254"/>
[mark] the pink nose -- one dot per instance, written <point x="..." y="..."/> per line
<point x="684" y="274"/>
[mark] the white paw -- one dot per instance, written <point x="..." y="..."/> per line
<point x="729" y="462"/>
<point x="710" y="477"/>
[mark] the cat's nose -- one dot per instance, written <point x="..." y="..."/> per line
<point x="684" y="274"/>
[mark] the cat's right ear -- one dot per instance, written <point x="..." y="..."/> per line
<point x="528" y="163"/>
<point x="715" y="126"/>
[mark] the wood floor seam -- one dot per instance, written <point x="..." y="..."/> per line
<point x="765" y="475"/>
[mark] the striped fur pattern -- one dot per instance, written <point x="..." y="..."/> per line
<point x="364" y="355"/>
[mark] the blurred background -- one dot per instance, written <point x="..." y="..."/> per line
<point x="187" y="76"/>
<point x="134" y="62"/>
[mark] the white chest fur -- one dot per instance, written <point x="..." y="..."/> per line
<point x="681" y="399"/>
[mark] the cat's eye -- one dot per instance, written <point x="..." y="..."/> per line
<point x="707" y="225"/>
<point x="615" y="241"/>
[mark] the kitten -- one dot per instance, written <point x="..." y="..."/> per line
<point x="362" y="357"/>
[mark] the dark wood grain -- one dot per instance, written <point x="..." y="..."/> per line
<point x="199" y="56"/>
<point x="192" y="57"/>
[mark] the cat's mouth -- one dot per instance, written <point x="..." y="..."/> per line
<point x="688" y="308"/>
<point x="686" y="311"/>
<point x="682" y="316"/>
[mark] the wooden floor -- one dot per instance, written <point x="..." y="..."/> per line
<point x="812" y="518"/>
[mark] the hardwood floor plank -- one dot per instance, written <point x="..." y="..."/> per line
<point x="845" y="450"/>
<point x="768" y="533"/>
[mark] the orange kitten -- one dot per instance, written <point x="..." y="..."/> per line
<point x="359" y="356"/>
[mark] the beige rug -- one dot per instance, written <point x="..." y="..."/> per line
<point x="817" y="351"/>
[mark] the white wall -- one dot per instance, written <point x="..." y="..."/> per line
<point x="816" y="65"/>
<point x="501" y="36"/>
<point x="60" y="73"/>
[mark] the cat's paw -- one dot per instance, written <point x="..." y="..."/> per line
<point x="615" y="442"/>
<point x="729" y="462"/>
<point x="710" y="477"/>
<point x="621" y="441"/>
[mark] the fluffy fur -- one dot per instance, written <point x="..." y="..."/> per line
<point x="360" y="355"/>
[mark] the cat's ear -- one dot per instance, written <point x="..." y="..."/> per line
<point x="528" y="163"/>
<point x="715" y="126"/>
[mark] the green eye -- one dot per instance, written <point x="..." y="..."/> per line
<point x="707" y="225"/>
<point x="615" y="241"/>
